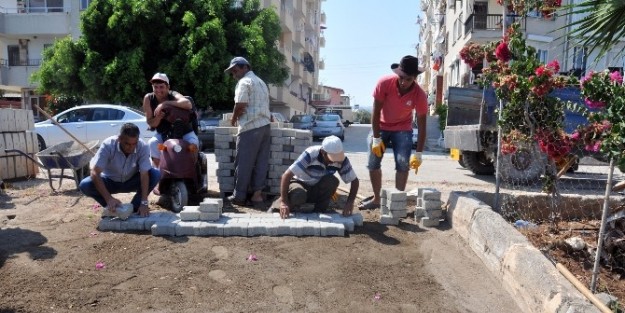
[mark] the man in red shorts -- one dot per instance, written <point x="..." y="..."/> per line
<point x="394" y="99"/>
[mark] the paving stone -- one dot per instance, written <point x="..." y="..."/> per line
<point x="388" y="220"/>
<point x="190" y="213"/>
<point x="428" y="222"/>
<point x="186" y="228"/>
<point x="327" y="229"/>
<point x="358" y="219"/>
<point x="109" y="223"/>
<point x="165" y="228"/>
<point x="397" y="205"/>
<point x="134" y="222"/>
<point x="399" y="213"/>
<point x="235" y="229"/>
<point x="256" y="228"/>
<point x="212" y="216"/>
<point x="215" y="228"/>
<point x="429" y="194"/>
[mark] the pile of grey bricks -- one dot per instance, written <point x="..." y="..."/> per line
<point x="207" y="219"/>
<point x="286" y="146"/>
<point x="393" y="206"/>
<point x="429" y="210"/>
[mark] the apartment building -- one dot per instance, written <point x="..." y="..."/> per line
<point x="300" y="41"/>
<point x="27" y="27"/>
<point x="448" y="25"/>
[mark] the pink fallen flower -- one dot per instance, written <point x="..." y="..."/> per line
<point x="377" y="296"/>
<point x="96" y="207"/>
<point x="252" y="258"/>
<point x="99" y="265"/>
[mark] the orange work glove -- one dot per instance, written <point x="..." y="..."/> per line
<point x="377" y="147"/>
<point x="415" y="161"/>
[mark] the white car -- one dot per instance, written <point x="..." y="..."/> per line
<point x="90" y="122"/>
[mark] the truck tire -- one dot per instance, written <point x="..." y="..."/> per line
<point x="478" y="163"/>
<point x="524" y="166"/>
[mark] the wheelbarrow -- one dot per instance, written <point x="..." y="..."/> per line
<point x="65" y="155"/>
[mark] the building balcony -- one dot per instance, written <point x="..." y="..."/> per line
<point x="322" y="41"/>
<point x="323" y="17"/>
<point x="299" y="9"/>
<point x="488" y="25"/>
<point x="322" y="64"/>
<point x="30" y="24"/>
<point x="17" y="74"/>
<point x="286" y="19"/>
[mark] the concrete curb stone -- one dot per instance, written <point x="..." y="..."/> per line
<point x="535" y="284"/>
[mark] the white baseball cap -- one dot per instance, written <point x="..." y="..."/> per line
<point x="160" y="77"/>
<point x="334" y="148"/>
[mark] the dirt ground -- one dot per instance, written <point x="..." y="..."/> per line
<point x="579" y="263"/>
<point x="53" y="259"/>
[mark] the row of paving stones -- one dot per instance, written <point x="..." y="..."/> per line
<point x="163" y="223"/>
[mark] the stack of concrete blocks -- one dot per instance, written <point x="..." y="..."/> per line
<point x="16" y="133"/>
<point x="429" y="210"/>
<point x="207" y="219"/>
<point x="392" y="206"/>
<point x="286" y="146"/>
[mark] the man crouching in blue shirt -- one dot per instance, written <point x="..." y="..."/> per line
<point x="311" y="179"/>
<point x="122" y="164"/>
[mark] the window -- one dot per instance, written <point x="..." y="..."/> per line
<point x="102" y="114"/>
<point x="84" y="4"/>
<point x="78" y="115"/>
<point x="14" y="55"/>
<point x="542" y="55"/>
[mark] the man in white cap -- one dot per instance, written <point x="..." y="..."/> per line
<point x="311" y="179"/>
<point x="251" y="113"/>
<point x="155" y="105"/>
<point x="395" y="98"/>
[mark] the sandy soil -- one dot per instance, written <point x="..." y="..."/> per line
<point x="50" y="248"/>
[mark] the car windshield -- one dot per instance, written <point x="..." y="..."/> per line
<point x="327" y="118"/>
<point x="301" y="119"/>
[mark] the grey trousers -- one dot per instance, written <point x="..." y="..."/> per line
<point x="251" y="162"/>
<point x="320" y="194"/>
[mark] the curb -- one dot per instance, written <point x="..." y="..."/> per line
<point x="524" y="272"/>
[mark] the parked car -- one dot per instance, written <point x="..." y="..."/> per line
<point x="90" y="122"/>
<point x="304" y="121"/>
<point x="208" y="122"/>
<point x="278" y="117"/>
<point x="327" y="125"/>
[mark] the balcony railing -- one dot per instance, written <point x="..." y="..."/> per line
<point x="27" y="9"/>
<point x="29" y="62"/>
<point x="487" y="22"/>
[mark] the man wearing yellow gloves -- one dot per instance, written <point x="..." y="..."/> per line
<point x="394" y="99"/>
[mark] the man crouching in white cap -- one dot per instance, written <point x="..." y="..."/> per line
<point x="311" y="179"/>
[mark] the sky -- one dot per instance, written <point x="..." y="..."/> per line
<point x="363" y="39"/>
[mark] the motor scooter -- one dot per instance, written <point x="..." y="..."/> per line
<point x="183" y="166"/>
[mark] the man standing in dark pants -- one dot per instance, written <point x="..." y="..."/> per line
<point x="251" y="113"/>
<point x="122" y="164"/>
<point x="311" y="179"/>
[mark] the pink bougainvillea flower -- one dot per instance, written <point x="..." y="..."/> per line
<point x="575" y="136"/>
<point x="377" y="296"/>
<point x="616" y="77"/>
<point x="554" y="65"/>
<point x="592" y="104"/>
<point x="502" y="52"/>
<point x="252" y="258"/>
<point x="99" y="265"/>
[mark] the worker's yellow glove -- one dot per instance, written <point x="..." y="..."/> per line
<point x="415" y="161"/>
<point x="335" y="196"/>
<point x="377" y="147"/>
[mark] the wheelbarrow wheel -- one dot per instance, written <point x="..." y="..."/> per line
<point x="179" y="196"/>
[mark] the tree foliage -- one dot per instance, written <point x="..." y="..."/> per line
<point x="124" y="42"/>
<point x="362" y="116"/>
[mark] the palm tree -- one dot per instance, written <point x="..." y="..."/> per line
<point x="601" y="28"/>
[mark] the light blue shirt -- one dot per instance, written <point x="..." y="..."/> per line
<point x="116" y="165"/>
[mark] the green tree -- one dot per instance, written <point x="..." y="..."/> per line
<point x="124" y="42"/>
<point x="362" y="116"/>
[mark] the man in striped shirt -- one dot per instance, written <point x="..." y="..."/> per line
<point x="311" y="179"/>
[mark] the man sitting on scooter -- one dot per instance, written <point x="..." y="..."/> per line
<point x="122" y="164"/>
<point x="156" y="105"/>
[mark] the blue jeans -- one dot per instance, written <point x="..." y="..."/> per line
<point x="402" y="147"/>
<point x="132" y="185"/>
